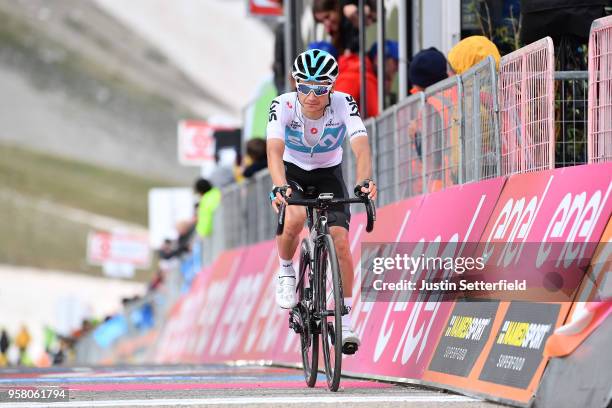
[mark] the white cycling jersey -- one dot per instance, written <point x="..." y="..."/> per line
<point x="314" y="144"/>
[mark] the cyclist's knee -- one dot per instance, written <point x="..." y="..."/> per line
<point x="294" y="221"/>
<point x="340" y="237"/>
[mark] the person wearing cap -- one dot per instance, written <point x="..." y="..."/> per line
<point x="427" y="67"/>
<point x="391" y="66"/>
<point x="463" y="56"/>
<point x="470" y="51"/>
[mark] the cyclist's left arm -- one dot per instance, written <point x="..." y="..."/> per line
<point x="363" y="156"/>
<point x="358" y="137"/>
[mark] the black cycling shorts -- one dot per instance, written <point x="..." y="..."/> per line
<point x="309" y="184"/>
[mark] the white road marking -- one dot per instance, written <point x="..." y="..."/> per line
<point x="293" y="400"/>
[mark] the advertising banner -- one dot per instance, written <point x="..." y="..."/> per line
<point x="464" y="337"/>
<point x="196" y="143"/>
<point x="241" y="304"/>
<point x="118" y="248"/>
<point x="401" y="332"/>
<point x="545" y="229"/>
<point x="189" y="329"/>
<point x="266" y="7"/>
<point x="519" y="343"/>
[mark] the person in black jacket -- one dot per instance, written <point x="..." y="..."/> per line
<point x="4" y="345"/>
<point x="341" y="21"/>
<point x="567" y="22"/>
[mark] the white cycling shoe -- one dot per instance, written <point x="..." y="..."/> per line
<point x="350" y="341"/>
<point x="286" y="297"/>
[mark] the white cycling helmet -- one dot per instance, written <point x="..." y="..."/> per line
<point x="315" y="65"/>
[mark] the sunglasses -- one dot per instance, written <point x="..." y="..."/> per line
<point x="319" y="90"/>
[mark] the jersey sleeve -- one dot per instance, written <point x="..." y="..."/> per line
<point x="275" y="128"/>
<point x="352" y="120"/>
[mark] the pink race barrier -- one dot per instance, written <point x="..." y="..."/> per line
<point x="399" y="337"/>
<point x="546" y="227"/>
<point x="230" y="313"/>
<point x="189" y="327"/>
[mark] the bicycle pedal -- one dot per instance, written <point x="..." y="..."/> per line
<point x="346" y="310"/>
<point x="293" y="324"/>
<point x="349" y="348"/>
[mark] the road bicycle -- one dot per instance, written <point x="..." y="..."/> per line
<point x="319" y="288"/>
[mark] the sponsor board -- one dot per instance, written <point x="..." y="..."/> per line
<point x="189" y="328"/>
<point x="196" y="143"/>
<point x="519" y="343"/>
<point x="545" y="229"/>
<point x="264" y="8"/>
<point x="464" y="337"/>
<point x="400" y="336"/>
<point x="118" y="248"/>
<point x="241" y="303"/>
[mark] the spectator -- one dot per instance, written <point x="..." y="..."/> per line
<point x="340" y="19"/>
<point x="391" y="66"/>
<point x="256" y="157"/>
<point x="470" y="51"/>
<point x="351" y="11"/>
<point x="467" y="53"/>
<point x="4" y="345"/>
<point x="349" y="81"/>
<point x="428" y="67"/>
<point x="22" y="341"/>
<point x="210" y="197"/>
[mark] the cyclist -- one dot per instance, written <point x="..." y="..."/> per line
<point x="305" y="133"/>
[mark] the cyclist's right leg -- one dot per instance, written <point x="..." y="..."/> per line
<point x="287" y="244"/>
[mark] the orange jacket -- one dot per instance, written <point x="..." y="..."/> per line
<point x="349" y="81"/>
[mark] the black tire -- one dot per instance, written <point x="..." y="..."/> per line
<point x="330" y="298"/>
<point x="309" y="340"/>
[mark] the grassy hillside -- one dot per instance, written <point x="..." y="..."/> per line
<point x="34" y="235"/>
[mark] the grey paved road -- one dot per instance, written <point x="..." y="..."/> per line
<point x="211" y="386"/>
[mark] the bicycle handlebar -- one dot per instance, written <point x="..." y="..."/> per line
<point x="319" y="203"/>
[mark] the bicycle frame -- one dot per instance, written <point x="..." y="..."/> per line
<point x="310" y="317"/>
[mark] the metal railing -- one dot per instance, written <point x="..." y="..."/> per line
<point x="385" y="158"/>
<point x="600" y="91"/>
<point x="481" y="151"/>
<point x="570" y="118"/>
<point x="526" y="98"/>
<point x="442" y="125"/>
<point x="409" y="120"/>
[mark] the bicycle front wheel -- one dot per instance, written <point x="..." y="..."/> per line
<point x="309" y="338"/>
<point x="330" y="298"/>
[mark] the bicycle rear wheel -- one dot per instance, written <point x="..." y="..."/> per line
<point x="309" y="338"/>
<point x="330" y="298"/>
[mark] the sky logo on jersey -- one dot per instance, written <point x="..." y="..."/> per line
<point x="331" y="139"/>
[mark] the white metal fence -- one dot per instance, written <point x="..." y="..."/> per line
<point x="526" y="98"/>
<point x="600" y="91"/>
<point x="481" y="147"/>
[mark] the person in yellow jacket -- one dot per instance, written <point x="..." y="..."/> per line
<point x="209" y="201"/>
<point x="470" y="51"/>
<point x="22" y="341"/>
